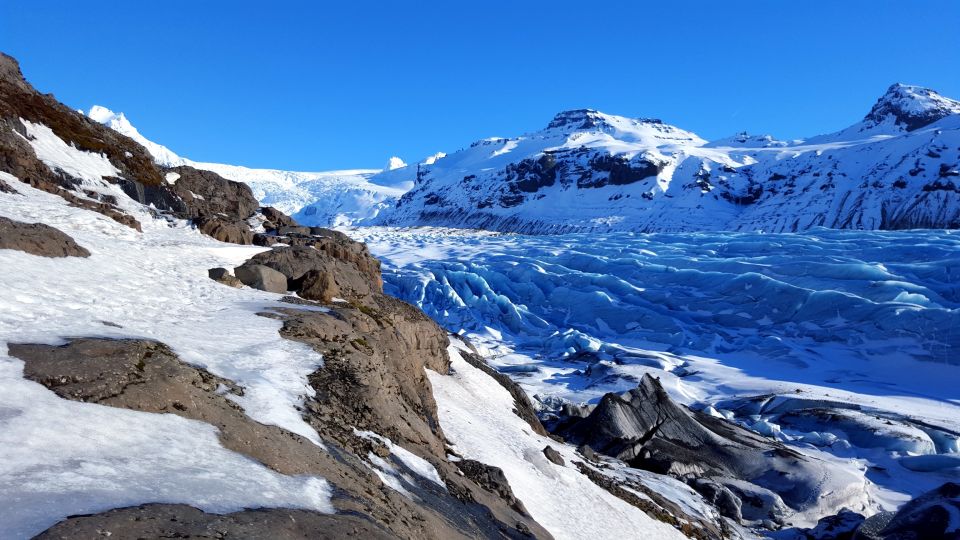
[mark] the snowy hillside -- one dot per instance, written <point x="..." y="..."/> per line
<point x="590" y="171"/>
<point x="314" y="198"/>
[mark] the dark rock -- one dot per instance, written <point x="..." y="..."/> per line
<point x="38" y="239"/>
<point x="224" y="230"/>
<point x="181" y="521"/>
<point x="620" y="171"/>
<point x="295" y="261"/>
<point x="319" y="286"/>
<point x="207" y="194"/>
<point x="276" y="218"/>
<point x="719" y="496"/>
<point x="645" y="428"/>
<point x="292" y="230"/>
<point x="931" y="516"/>
<point x="265" y="240"/>
<point x="553" y="456"/>
<point x="587" y="452"/>
<point x="261" y="277"/>
<point x="490" y="478"/>
<point x="222" y="275"/>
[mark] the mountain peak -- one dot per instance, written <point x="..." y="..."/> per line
<point x="591" y="119"/>
<point x="577" y="119"/>
<point x="911" y="107"/>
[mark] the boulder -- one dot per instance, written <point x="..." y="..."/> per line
<point x="224" y="230"/>
<point x="261" y="277"/>
<point x="553" y="456"/>
<point x="38" y="239"/>
<point x="265" y="240"/>
<point x="295" y="261"/>
<point x="222" y="275"/>
<point x="318" y="285"/>
<point x="207" y="194"/>
<point x="276" y="219"/>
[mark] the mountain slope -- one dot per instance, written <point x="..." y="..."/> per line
<point x="313" y="198"/>
<point x="590" y="171"/>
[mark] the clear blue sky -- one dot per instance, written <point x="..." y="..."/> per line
<point x="317" y="85"/>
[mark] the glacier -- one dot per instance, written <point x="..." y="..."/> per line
<point x="752" y="327"/>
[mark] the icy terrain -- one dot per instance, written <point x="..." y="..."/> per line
<point x="752" y="327"/>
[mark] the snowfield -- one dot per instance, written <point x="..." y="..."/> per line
<point x="59" y="457"/>
<point x="475" y="415"/>
<point x="842" y="318"/>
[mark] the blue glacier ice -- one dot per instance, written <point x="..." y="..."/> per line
<point x="844" y="342"/>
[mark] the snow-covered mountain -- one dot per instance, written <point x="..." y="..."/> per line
<point x="313" y="198"/>
<point x="591" y="171"/>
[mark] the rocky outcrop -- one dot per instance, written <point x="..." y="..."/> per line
<point x="180" y="521"/>
<point x="38" y="239"/>
<point x="750" y="478"/>
<point x="935" y="515"/>
<point x="371" y="399"/>
<point x="219" y="206"/>
<point x="18" y="99"/>
<point x="319" y="273"/>
<point x="147" y="376"/>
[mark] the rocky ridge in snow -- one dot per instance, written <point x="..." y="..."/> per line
<point x="328" y="198"/>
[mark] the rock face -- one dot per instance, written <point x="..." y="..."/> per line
<point x="219" y="206"/>
<point x="38" y="239"/>
<point x="748" y="477"/>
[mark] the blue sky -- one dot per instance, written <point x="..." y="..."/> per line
<point x="315" y="86"/>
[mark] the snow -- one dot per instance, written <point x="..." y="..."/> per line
<point x="415" y="463"/>
<point x="395" y="163"/>
<point x="327" y="198"/>
<point x="874" y="174"/>
<point x="60" y="457"/>
<point x="56" y="154"/>
<point x="719" y="317"/>
<point x="475" y="414"/>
